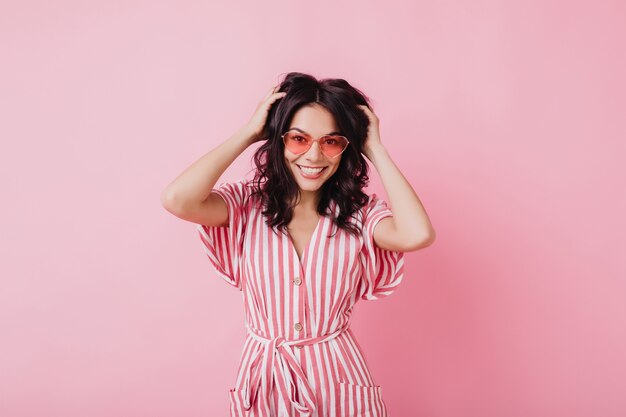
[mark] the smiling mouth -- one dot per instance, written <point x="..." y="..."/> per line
<point x="311" y="171"/>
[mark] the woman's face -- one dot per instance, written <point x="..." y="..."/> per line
<point x="315" y="121"/>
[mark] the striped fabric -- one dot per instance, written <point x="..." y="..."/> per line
<point x="300" y="357"/>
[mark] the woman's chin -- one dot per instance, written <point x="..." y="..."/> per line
<point x="310" y="185"/>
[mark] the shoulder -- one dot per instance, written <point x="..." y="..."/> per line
<point x="237" y="195"/>
<point x="239" y="190"/>
<point x="364" y="215"/>
<point x="374" y="211"/>
<point x="374" y="205"/>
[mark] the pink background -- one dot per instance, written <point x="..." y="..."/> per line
<point x="506" y="116"/>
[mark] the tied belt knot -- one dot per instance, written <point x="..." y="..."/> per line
<point x="279" y="365"/>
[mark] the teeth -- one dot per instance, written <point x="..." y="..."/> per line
<point x="310" y="170"/>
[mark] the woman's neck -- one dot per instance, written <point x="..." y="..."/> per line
<point x="308" y="201"/>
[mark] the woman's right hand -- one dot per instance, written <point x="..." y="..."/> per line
<point x="257" y="122"/>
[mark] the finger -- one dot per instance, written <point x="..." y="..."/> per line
<point x="277" y="95"/>
<point x="366" y="110"/>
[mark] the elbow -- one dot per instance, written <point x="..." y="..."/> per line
<point x="168" y="201"/>
<point x="422" y="242"/>
<point x="430" y="239"/>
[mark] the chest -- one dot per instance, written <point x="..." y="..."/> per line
<point x="312" y="257"/>
<point x="301" y="230"/>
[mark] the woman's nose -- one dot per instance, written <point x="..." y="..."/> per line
<point x="315" y="151"/>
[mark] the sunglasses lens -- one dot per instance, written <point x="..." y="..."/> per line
<point x="298" y="143"/>
<point x="333" y="145"/>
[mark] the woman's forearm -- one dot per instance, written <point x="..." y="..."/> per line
<point x="195" y="183"/>
<point x="408" y="212"/>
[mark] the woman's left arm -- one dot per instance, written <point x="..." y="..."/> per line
<point x="409" y="228"/>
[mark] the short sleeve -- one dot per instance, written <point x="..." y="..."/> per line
<point x="224" y="245"/>
<point x="383" y="269"/>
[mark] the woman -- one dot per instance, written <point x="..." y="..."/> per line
<point x="301" y="243"/>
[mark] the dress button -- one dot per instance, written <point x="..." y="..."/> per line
<point x="298" y="347"/>
<point x="297" y="281"/>
<point x="298" y="327"/>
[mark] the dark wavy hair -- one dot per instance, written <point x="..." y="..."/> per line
<point x="273" y="182"/>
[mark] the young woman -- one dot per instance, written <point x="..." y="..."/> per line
<point x="301" y="242"/>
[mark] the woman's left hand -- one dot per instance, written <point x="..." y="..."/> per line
<point x="373" y="132"/>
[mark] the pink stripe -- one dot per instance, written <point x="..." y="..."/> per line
<point x="335" y="274"/>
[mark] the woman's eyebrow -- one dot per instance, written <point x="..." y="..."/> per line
<point x="300" y="130"/>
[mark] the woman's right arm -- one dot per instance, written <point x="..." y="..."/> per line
<point x="189" y="196"/>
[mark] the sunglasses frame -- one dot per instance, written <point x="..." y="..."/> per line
<point x="318" y="142"/>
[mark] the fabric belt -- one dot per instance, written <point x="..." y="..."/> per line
<point x="280" y="365"/>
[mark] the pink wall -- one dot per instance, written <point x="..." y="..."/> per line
<point x="506" y="116"/>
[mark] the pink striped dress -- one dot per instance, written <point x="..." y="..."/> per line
<point x="299" y="356"/>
